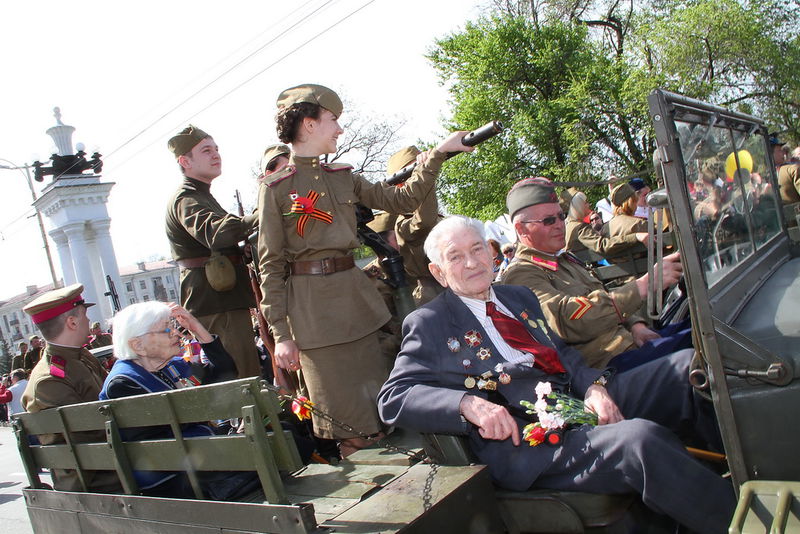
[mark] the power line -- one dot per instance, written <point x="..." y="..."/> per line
<point x="248" y="80"/>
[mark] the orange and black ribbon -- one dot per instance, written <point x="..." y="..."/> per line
<point x="304" y="206"/>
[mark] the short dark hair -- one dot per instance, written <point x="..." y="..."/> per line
<point x="52" y="328"/>
<point x="288" y="119"/>
<point x="20" y="374"/>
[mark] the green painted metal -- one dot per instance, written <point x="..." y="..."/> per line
<point x="121" y="463"/>
<point x="262" y="456"/>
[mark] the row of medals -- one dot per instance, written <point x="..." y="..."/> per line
<point x="484" y="381"/>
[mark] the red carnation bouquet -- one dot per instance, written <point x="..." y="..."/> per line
<point x="555" y="411"/>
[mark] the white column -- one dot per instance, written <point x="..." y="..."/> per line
<point x="107" y="257"/>
<point x="64" y="256"/>
<point x="83" y="268"/>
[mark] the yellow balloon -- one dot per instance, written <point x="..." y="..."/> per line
<point x="745" y="162"/>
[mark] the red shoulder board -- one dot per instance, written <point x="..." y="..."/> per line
<point x="58" y="366"/>
<point x="333" y="167"/>
<point x="547" y="264"/>
<point x="277" y="177"/>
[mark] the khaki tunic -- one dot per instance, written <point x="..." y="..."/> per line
<point x="576" y="304"/>
<point x="623" y="225"/>
<point x="411" y="231"/>
<point x="581" y="235"/>
<point x="318" y="311"/>
<point x="82" y="382"/>
<point x="789" y="182"/>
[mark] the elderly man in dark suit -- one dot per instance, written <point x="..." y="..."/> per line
<point x="456" y="373"/>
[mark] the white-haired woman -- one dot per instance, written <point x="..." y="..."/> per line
<point x="147" y="344"/>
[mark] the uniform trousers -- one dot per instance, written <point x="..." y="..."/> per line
<point x="641" y="456"/>
<point x="343" y="381"/>
<point x="235" y="330"/>
<point x="673" y="338"/>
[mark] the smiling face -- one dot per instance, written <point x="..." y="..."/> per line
<point x="466" y="264"/>
<point x="323" y="133"/>
<point x="203" y="162"/>
<point x="545" y="238"/>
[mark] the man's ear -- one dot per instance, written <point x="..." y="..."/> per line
<point x="436" y="271"/>
<point x="185" y="161"/>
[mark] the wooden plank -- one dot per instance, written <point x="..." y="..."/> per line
<point x="350" y="482"/>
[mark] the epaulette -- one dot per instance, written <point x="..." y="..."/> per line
<point x="58" y="366"/>
<point x="546" y="264"/>
<point x="333" y="167"/>
<point x="277" y="177"/>
<point x="569" y="256"/>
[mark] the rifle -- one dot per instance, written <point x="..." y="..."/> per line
<point x="112" y="292"/>
<point x="285" y="380"/>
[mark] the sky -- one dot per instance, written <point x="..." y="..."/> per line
<point x="129" y="75"/>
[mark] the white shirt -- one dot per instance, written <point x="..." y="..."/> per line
<point x="507" y="352"/>
<point x="15" y="406"/>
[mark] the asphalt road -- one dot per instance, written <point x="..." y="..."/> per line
<point x="13" y="515"/>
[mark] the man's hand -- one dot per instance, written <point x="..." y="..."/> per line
<point x="452" y="143"/>
<point x="600" y="402"/>
<point x="672" y="269"/>
<point x="287" y="355"/>
<point x="641" y="334"/>
<point x="641" y="237"/>
<point x="493" y="421"/>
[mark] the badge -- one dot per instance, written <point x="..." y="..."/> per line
<point x="487" y="385"/>
<point x="473" y="338"/>
<point x="487" y="375"/>
<point x="293" y="195"/>
<point x="532" y="323"/>
<point x="505" y="378"/>
<point x="498" y="368"/>
<point x="542" y="326"/>
<point x="453" y="344"/>
<point x="469" y="382"/>
<point x="466" y="363"/>
<point x="484" y="353"/>
<point x="524" y="314"/>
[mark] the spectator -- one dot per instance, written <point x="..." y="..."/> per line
<point x="34" y="353"/>
<point x="497" y="254"/>
<point x="18" y="382"/>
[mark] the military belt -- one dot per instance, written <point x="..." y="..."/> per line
<point x="196" y="263"/>
<point x="326" y="266"/>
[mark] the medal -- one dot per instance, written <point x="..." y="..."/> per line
<point x="469" y="382"/>
<point x="498" y="368"/>
<point x="487" y="375"/>
<point x="453" y="344"/>
<point x="505" y="378"/>
<point x="542" y="326"/>
<point x="487" y="385"/>
<point x="484" y="353"/>
<point x="532" y="323"/>
<point x="466" y="363"/>
<point x="473" y="338"/>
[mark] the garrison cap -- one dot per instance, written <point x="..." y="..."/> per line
<point x="313" y="94"/>
<point x="272" y="152"/>
<point x="54" y="303"/>
<point x="638" y="184"/>
<point x="34" y="336"/>
<point x="186" y="140"/>
<point x="401" y="158"/>
<point x="95" y="324"/>
<point x="383" y="222"/>
<point x="621" y="193"/>
<point x="565" y="198"/>
<point x="530" y="192"/>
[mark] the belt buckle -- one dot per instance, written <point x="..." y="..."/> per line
<point x="325" y="268"/>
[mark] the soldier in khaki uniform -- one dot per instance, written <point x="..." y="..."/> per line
<point x="580" y="235"/>
<point x="66" y="374"/>
<point x="201" y="232"/>
<point x="324" y="313"/>
<point x="34" y="354"/>
<point x="624" y="223"/>
<point x="601" y="324"/>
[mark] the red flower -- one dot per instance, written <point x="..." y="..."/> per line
<point x="306" y="204"/>
<point x="301" y="407"/>
<point x="533" y="434"/>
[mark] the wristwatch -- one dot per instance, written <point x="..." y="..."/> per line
<point x="604" y="378"/>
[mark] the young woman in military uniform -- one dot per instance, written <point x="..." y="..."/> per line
<point x="323" y="312"/>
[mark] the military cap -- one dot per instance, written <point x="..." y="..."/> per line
<point x="637" y="184"/>
<point x="186" y="140"/>
<point x="272" y="152"/>
<point x="565" y="198"/>
<point x="530" y="192"/>
<point x="55" y="302"/>
<point x="313" y="94"/>
<point x="34" y="336"/>
<point x="95" y="324"/>
<point x="383" y="222"/>
<point x="401" y="158"/>
<point x="621" y="193"/>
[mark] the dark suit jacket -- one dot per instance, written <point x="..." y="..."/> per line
<point x="426" y="385"/>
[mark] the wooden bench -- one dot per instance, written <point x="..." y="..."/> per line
<point x="543" y="511"/>
<point x="293" y="498"/>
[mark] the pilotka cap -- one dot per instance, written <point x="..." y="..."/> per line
<point x="530" y="192"/>
<point x="186" y="140"/>
<point x="401" y="158"/>
<point x="313" y="94"/>
<point x="272" y="152"/>
<point x="54" y="303"/>
<point x="621" y="193"/>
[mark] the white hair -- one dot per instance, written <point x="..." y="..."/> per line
<point x="134" y="321"/>
<point x="453" y="223"/>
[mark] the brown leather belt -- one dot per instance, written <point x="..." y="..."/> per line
<point x="195" y="263"/>
<point x="326" y="266"/>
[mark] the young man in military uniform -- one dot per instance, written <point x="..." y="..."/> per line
<point x="66" y="374"/>
<point x="18" y="361"/>
<point x="98" y="338"/>
<point x="324" y="313"/>
<point x="204" y="239"/>
<point x="34" y="353"/>
<point x="601" y="324"/>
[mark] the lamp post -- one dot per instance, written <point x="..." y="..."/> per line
<point x="27" y="174"/>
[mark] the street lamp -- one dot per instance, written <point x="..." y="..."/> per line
<point x="27" y="174"/>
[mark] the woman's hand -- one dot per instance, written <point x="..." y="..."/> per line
<point x="190" y="323"/>
<point x="452" y="143"/>
<point x="287" y="355"/>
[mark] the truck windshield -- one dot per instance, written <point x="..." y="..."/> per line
<point x="734" y="205"/>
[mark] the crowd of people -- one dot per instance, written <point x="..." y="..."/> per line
<point x="493" y="319"/>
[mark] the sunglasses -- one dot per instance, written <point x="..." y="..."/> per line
<point x="549" y="221"/>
